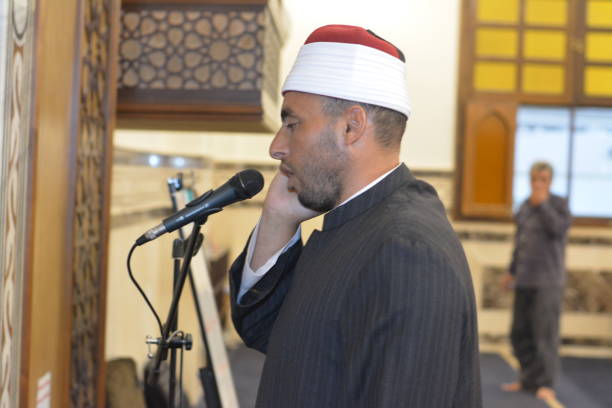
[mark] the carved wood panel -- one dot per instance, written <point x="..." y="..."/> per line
<point x="199" y="60"/>
<point x="191" y="49"/>
<point x="90" y="222"/>
<point x="15" y="175"/>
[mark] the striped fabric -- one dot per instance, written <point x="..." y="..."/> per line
<point x="376" y="310"/>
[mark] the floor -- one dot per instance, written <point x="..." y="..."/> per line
<point x="583" y="382"/>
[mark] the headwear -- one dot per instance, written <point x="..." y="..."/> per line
<point x="351" y="63"/>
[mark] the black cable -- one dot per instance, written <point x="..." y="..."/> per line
<point x="161" y="330"/>
<point x="181" y="378"/>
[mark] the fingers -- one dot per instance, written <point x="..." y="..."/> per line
<point x="282" y="202"/>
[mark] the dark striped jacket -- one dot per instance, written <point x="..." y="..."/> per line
<point x="376" y="310"/>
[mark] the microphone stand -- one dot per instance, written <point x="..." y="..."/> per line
<point x="206" y="373"/>
<point x="173" y="339"/>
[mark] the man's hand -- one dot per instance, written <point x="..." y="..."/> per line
<point x="282" y="204"/>
<point x="281" y="216"/>
<point x="538" y="197"/>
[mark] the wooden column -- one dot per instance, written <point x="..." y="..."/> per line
<point x="46" y="342"/>
<point x="71" y="131"/>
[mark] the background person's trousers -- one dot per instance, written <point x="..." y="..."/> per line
<point x="535" y="335"/>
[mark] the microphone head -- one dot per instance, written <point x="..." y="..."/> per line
<point x="248" y="183"/>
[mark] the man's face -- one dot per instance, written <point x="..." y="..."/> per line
<point x="540" y="181"/>
<point x="308" y="147"/>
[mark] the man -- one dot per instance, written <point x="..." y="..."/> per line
<point x="377" y="309"/>
<point x="537" y="273"/>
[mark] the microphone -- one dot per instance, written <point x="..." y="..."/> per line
<point x="242" y="185"/>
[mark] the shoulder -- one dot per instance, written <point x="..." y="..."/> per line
<point x="405" y="273"/>
<point x="559" y="203"/>
<point x="415" y="215"/>
<point x="558" y="200"/>
<point x="415" y="236"/>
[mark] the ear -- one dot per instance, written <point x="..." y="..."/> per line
<point x="356" y="124"/>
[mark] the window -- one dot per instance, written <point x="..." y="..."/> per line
<point x="578" y="144"/>
<point x="591" y="170"/>
<point x="536" y="84"/>
<point x="542" y="133"/>
<point x="521" y="47"/>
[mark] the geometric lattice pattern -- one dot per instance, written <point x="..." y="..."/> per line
<point x="88" y="242"/>
<point x="192" y="49"/>
<point x="589" y="292"/>
<point x="585" y="291"/>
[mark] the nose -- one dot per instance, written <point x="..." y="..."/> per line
<point x="279" y="148"/>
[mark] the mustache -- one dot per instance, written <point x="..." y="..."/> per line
<point x="286" y="169"/>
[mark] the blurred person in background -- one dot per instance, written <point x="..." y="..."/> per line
<point x="537" y="275"/>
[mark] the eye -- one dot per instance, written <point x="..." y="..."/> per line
<point x="291" y="126"/>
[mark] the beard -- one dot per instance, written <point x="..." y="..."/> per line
<point x="321" y="177"/>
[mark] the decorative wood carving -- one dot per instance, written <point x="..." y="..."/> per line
<point x="90" y="224"/>
<point x="15" y="150"/>
<point x="191" y="50"/>
<point x="199" y="61"/>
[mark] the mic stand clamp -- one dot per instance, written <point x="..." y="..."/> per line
<point x="179" y="340"/>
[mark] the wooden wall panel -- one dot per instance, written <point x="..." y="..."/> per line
<point x="491" y="165"/>
<point x="488" y="159"/>
<point x="47" y="342"/>
<point x="65" y="297"/>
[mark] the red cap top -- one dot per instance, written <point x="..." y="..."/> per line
<point x="353" y="35"/>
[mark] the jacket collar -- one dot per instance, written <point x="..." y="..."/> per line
<point x="367" y="199"/>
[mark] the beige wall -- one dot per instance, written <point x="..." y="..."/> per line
<point x="129" y="319"/>
<point x="136" y="191"/>
<point x="222" y="146"/>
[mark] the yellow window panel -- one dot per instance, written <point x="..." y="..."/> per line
<point x="599" y="13"/>
<point x="598" y="81"/>
<point x="498" y="11"/>
<point x="545" y="44"/>
<point x="496" y="42"/>
<point x="495" y="76"/>
<point x="599" y="47"/>
<point x="546" y="12"/>
<point x="543" y="79"/>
